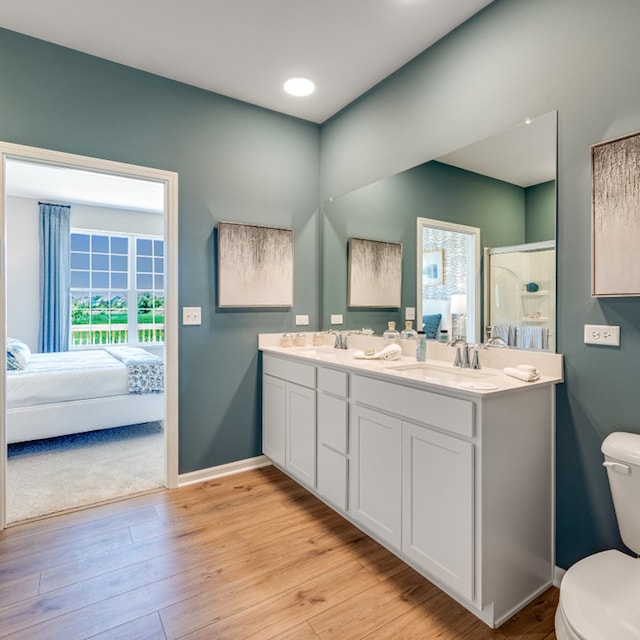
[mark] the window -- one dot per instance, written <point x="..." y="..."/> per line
<point x="111" y="274"/>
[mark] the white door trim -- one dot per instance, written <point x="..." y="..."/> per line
<point x="170" y="180"/>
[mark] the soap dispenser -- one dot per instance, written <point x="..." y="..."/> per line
<point x="408" y="333"/>
<point x="390" y="335"/>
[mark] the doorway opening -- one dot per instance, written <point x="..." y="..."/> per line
<point x="121" y="290"/>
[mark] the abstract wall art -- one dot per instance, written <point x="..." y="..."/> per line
<point x="255" y="266"/>
<point x="375" y="273"/>
<point x="615" y="222"/>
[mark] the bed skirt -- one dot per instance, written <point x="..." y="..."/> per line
<point x="50" y="420"/>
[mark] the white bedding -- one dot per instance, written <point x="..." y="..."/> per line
<point x="64" y="376"/>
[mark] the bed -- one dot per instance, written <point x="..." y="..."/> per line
<point x="56" y="394"/>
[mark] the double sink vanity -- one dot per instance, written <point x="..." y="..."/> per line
<point x="450" y="469"/>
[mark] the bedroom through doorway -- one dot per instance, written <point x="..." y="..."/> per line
<point x="89" y="412"/>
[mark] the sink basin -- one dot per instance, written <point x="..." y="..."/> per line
<point x="317" y="352"/>
<point x="427" y="372"/>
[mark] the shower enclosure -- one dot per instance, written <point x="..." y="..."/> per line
<point x="520" y="295"/>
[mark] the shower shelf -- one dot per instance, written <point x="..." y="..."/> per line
<point x="534" y="294"/>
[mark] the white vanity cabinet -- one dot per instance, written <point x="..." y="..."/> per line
<point x="457" y="484"/>
<point x="289" y="417"/>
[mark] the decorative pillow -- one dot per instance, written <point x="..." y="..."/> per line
<point x="18" y="354"/>
<point x="430" y="325"/>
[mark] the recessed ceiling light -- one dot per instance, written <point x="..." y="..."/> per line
<point x="299" y="87"/>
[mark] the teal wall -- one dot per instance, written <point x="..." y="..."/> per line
<point x="387" y="210"/>
<point x="540" y="212"/>
<point x="235" y="162"/>
<point x="515" y="59"/>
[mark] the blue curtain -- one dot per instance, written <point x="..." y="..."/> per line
<point x="55" y="316"/>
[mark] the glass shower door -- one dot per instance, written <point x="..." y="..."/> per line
<point x="520" y="295"/>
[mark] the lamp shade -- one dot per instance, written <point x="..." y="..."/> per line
<point x="458" y="303"/>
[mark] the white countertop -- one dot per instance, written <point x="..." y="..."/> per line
<point x="433" y="374"/>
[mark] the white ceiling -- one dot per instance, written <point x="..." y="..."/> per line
<point x="246" y="49"/>
<point x="523" y="155"/>
<point x="64" y="185"/>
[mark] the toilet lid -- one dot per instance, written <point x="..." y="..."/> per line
<point x="599" y="597"/>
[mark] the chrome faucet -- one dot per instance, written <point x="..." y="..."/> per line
<point x="475" y="363"/>
<point x="341" y="340"/>
<point x="462" y="353"/>
<point x="496" y="341"/>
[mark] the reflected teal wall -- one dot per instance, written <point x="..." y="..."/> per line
<point x="519" y="59"/>
<point x="387" y="210"/>
<point x="235" y="162"/>
<point x="540" y="207"/>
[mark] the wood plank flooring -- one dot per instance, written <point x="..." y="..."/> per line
<point x="246" y="557"/>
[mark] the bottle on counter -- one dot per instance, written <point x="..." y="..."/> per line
<point x="390" y="335"/>
<point x="421" y="347"/>
<point x="300" y="340"/>
<point x="408" y="333"/>
<point x="444" y="336"/>
<point x="286" y="340"/>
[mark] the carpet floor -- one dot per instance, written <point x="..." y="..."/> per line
<point x="57" y="474"/>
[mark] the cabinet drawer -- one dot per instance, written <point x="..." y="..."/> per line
<point x="451" y="414"/>
<point x="332" y="422"/>
<point x="332" y="477"/>
<point x="332" y="381"/>
<point x="302" y="374"/>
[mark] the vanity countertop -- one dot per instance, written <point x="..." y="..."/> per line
<point x="432" y="374"/>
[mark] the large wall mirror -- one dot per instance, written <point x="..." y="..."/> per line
<point x="505" y="187"/>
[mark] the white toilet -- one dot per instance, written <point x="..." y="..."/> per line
<point x="600" y="595"/>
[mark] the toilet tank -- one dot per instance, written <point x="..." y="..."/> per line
<point x="622" y="461"/>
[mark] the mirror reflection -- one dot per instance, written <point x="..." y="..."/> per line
<point x="504" y="186"/>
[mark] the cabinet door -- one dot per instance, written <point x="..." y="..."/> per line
<point x="375" y="473"/>
<point x="437" y="510"/>
<point x="273" y="419"/>
<point x="301" y="433"/>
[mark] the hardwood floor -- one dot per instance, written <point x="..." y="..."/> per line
<point x="244" y="557"/>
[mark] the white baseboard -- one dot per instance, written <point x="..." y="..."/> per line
<point x="558" y="574"/>
<point x="228" y="469"/>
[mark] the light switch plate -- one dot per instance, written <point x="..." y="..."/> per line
<point x="336" y="318"/>
<point x="191" y="315"/>
<point x="302" y="320"/>
<point x="409" y="313"/>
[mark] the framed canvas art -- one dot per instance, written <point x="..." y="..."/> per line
<point x="615" y="220"/>
<point x="433" y="267"/>
<point x="375" y="273"/>
<point x="255" y="266"/>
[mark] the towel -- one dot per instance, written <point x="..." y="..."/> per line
<point x="390" y="352"/>
<point x="505" y="331"/>
<point x="522" y="374"/>
<point x="532" y="338"/>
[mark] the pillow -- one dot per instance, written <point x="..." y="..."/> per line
<point x="430" y="325"/>
<point x="18" y="354"/>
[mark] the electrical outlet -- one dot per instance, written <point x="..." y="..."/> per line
<point x="191" y="315"/>
<point x="602" y="334"/>
<point x="336" y="318"/>
<point x="410" y="313"/>
<point x="302" y="320"/>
